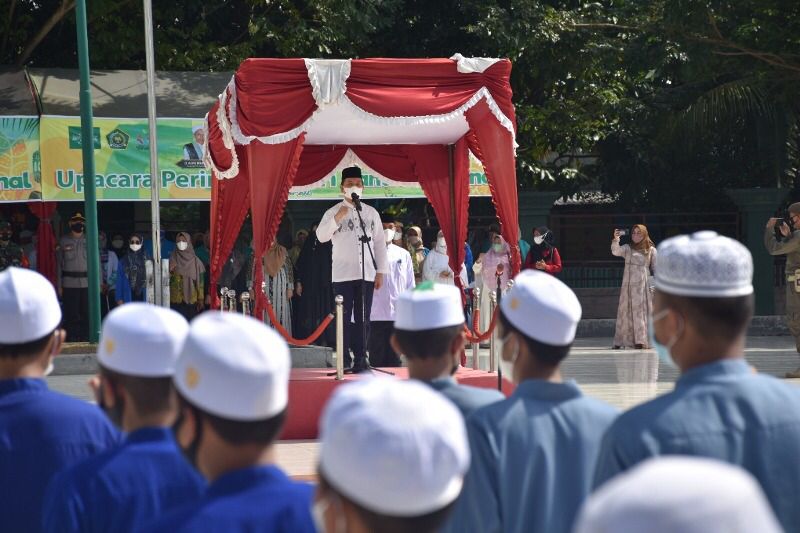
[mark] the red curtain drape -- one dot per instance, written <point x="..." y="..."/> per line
<point x="317" y="162"/>
<point x="230" y="200"/>
<point x="272" y="171"/>
<point x="494" y="146"/>
<point x="46" y="239"/>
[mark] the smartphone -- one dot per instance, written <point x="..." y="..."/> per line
<point x="622" y="232"/>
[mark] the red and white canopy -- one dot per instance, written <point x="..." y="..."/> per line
<point x="291" y="122"/>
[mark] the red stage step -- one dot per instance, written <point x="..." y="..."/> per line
<point x="310" y="388"/>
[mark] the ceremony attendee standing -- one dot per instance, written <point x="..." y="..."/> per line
<point x="436" y="267"/>
<point x="493" y="266"/>
<point x="399" y="279"/>
<point x="41" y="431"/>
<point x="429" y="333"/>
<point x="11" y="253"/>
<point x="789" y="245"/>
<point x="417" y="250"/>
<point x="186" y="289"/>
<point x="119" y="489"/>
<point x="73" y="281"/>
<point x="279" y="279"/>
<point x="543" y="254"/>
<point x="720" y="408"/>
<point x="232" y="379"/>
<point x="315" y="290"/>
<point x="131" y="275"/>
<point x="393" y="456"/>
<point x="340" y="224"/>
<point x="635" y="297"/>
<point x="533" y="454"/>
<point x="679" y="494"/>
<point x="109" y="265"/>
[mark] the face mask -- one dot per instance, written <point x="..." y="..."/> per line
<point x="183" y="245"/>
<point x="441" y="245"/>
<point x="506" y="367"/>
<point x="116" y="243"/>
<point x="388" y="235"/>
<point x="663" y="350"/>
<point x="348" y="191"/>
<point x="318" y="510"/>
<point x="398" y="236"/>
<point x="136" y="247"/>
<point x="413" y="241"/>
<point x="497" y="247"/>
<point x="190" y="452"/>
<point x="77" y="228"/>
<point x="49" y="369"/>
<point x="538" y="240"/>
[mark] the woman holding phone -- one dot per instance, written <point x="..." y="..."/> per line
<point x="635" y="297"/>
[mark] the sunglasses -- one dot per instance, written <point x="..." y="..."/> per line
<point x="136" y="241"/>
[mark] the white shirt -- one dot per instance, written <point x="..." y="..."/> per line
<point x="436" y="263"/>
<point x="399" y="279"/>
<point x="346" y="245"/>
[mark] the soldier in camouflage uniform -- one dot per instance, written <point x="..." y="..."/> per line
<point x="11" y="253"/>
<point x="789" y="245"/>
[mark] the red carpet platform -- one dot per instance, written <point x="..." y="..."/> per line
<point x="310" y="388"/>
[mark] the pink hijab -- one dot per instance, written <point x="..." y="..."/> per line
<point x="490" y="261"/>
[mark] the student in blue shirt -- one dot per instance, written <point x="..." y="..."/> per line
<point x="720" y="408"/>
<point x="232" y="379"/>
<point x="429" y="333"/>
<point x="147" y="475"/>
<point x="533" y="454"/>
<point x="41" y="431"/>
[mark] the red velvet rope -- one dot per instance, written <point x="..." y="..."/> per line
<point x="286" y="335"/>
<point x="480" y="337"/>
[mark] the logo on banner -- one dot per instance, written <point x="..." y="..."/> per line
<point x="76" y="138"/>
<point x="118" y="140"/>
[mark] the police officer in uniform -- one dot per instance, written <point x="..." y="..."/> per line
<point x="788" y="245"/>
<point x="146" y="475"/>
<point x="73" y="284"/>
<point x="11" y="253"/>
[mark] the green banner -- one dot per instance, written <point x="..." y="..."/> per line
<point x="20" y="160"/>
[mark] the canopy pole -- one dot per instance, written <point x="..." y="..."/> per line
<point x="89" y="192"/>
<point x="452" y="179"/>
<point x="155" y="181"/>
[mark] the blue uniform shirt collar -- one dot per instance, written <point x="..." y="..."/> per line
<point x="539" y="389"/>
<point x="443" y="383"/>
<point x="8" y="386"/>
<point x="150" y="434"/>
<point x="245" y="478"/>
<point x="717" y="369"/>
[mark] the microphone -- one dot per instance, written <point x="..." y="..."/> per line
<point x="500" y="269"/>
<point x="356" y="201"/>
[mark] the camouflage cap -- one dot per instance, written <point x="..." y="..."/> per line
<point x="795" y="208"/>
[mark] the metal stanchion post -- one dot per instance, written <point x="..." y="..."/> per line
<point x="339" y="337"/>
<point x="232" y="300"/>
<point x="223" y="299"/>
<point x="492" y="352"/>
<point x="264" y="292"/>
<point x="476" y="347"/>
<point x="245" y="297"/>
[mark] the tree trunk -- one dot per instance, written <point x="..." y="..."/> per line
<point x="11" y="7"/>
<point x="65" y="7"/>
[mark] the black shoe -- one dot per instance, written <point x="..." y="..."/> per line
<point x="359" y="366"/>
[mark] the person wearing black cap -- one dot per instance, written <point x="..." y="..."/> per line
<point x="340" y="224"/>
<point x="73" y="283"/>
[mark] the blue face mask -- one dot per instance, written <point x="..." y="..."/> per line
<point x="663" y="350"/>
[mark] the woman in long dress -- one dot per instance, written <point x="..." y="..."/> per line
<point x="186" y="278"/>
<point x="279" y="279"/>
<point x="635" y="297"/>
<point x="436" y="267"/>
<point x="497" y="258"/>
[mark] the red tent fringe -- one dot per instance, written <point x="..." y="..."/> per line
<point x="286" y="335"/>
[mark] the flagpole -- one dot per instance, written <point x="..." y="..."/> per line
<point x="89" y="193"/>
<point x="155" y="177"/>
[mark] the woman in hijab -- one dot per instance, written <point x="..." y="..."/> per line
<point x="543" y="254"/>
<point x="279" y="279"/>
<point x="131" y="275"/>
<point x="635" y="298"/>
<point x="186" y="285"/>
<point x="496" y="261"/>
<point x="417" y="250"/>
<point x="436" y="267"/>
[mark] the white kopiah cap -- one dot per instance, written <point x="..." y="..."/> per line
<point x="704" y="264"/>
<point x="29" y="307"/>
<point x="142" y="340"/>
<point x="543" y="308"/>
<point x="394" y="447"/>
<point x="429" y="306"/>
<point x="234" y="367"/>
<point x="686" y="494"/>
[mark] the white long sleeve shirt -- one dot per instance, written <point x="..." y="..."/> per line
<point x="436" y="263"/>
<point x="346" y="245"/>
<point x="399" y="279"/>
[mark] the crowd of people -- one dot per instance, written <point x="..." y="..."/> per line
<point x="188" y="412"/>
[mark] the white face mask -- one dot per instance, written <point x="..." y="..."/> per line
<point x="506" y="367"/>
<point x="183" y="245"/>
<point x="388" y="235"/>
<point x="441" y="245"/>
<point x="318" y="510"/>
<point x="49" y="369"/>
<point x="348" y="191"/>
<point x="398" y="236"/>
<point x="136" y="247"/>
<point x="539" y="239"/>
